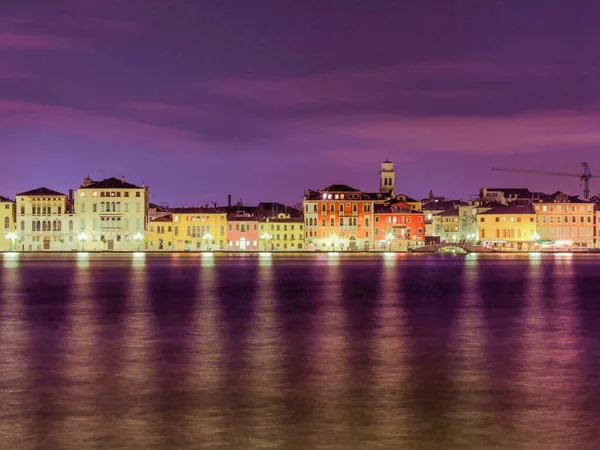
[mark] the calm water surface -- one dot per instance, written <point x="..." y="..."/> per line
<point x="307" y="352"/>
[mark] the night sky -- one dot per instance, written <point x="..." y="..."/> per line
<point x="266" y="98"/>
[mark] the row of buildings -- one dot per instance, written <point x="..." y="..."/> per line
<point x="114" y="215"/>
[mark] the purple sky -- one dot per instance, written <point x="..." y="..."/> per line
<point x="265" y="98"/>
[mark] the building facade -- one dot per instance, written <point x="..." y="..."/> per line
<point x="282" y="232"/>
<point x="566" y="221"/>
<point x="343" y="219"/>
<point x="8" y="240"/>
<point x="398" y="227"/>
<point x="43" y="222"/>
<point x="160" y="234"/>
<point x="199" y="228"/>
<point x="508" y="228"/>
<point x="243" y="229"/>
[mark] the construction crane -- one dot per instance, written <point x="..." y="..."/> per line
<point x="585" y="177"/>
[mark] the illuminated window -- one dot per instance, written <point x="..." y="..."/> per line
<point x="82" y="194"/>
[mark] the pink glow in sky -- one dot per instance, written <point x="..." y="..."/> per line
<point x="265" y="99"/>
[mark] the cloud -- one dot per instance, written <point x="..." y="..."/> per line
<point x="26" y="115"/>
<point x="17" y="41"/>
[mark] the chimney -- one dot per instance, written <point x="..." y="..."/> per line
<point x="122" y="179"/>
<point x="70" y="203"/>
<point x="229" y="200"/>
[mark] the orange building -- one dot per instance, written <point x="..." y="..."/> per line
<point x="398" y="226"/>
<point x="338" y="218"/>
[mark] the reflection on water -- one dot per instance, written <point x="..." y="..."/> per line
<point x="319" y="351"/>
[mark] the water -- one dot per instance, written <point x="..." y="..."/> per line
<point x="307" y="352"/>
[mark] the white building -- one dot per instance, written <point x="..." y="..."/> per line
<point x="112" y="214"/>
<point x="43" y="222"/>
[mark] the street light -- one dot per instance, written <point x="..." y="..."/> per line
<point x="207" y="238"/>
<point x="390" y="238"/>
<point x="138" y="237"/>
<point x="332" y="238"/>
<point x="82" y="238"/>
<point x="265" y="237"/>
<point x="11" y="237"/>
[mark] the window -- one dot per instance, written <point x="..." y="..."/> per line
<point x="367" y="222"/>
<point x="137" y="207"/>
<point x="177" y="231"/>
<point x="6" y="223"/>
<point x="323" y="223"/>
<point x="332" y="208"/>
<point x="22" y="225"/>
<point x="332" y="222"/>
<point x="323" y="209"/>
<point x="82" y="207"/>
<point x="126" y="194"/>
<point x="95" y="207"/>
<point x="137" y="194"/>
<point x="482" y="219"/>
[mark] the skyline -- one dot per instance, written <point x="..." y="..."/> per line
<point x="202" y="100"/>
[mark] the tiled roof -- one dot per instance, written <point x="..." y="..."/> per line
<point x="519" y="192"/>
<point x="5" y="199"/>
<point x="110" y="183"/>
<point x="40" y="192"/>
<point x="449" y="212"/>
<point x="166" y="218"/>
<point x="554" y="198"/>
<point x="517" y="209"/>
<point x="197" y="210"/>
<point x="340" y="188"/>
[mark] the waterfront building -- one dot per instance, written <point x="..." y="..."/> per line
<point x="242" y="228"/>
<point x="564" y="220"/>
<point x="8" y="240"/>
<point x="445" y="225"/>
<point x="397" y="226"/>
<point x="508" y="227"/>
<point x="504" y="196"/>
<point x="199" y="228"/>
<point x="160" y="233"/>
<point x="281" y="227"/>
<point x="338" y="217"/>
<point x="43" y="221"/>
<point x="468" y="229"/>
<point x="112" y="214"/>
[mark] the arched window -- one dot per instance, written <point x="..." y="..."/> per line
<point x="341" y="208"/>
<point x="323" y="223"/>
<point x="354" y="208"/>
<point x="189" y="231"/>
<point x="102" y="207"/>
<point x="376" y="231"/>
<point x="315" y="207"/>
<point x="354" y="222"/>
<point x="6" y="223"/>
<point x="332" y="208"/>
<point x="385" y="181"/>
<point x="367" y="222"/>
<point x="341" y="221"/>
<point x="323" y="208"/>
<point x="333" y="221"/>
<point x="420" y="232"/>
<point x="118" y="206"/>
<point x="70" y="225"/>
<point x="113" y="206"/>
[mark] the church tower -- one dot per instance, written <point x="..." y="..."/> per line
<point x="387" y="178"/>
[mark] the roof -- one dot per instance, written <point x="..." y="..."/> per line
<point x="5" y="199"/>
<point x="520" y="192"/>
<point x="515" y="209"/>
<point x="442" y="206"/>
<point x="340" y="188"/>
<point x="165" y="218"/>
<point x="271" y="209"/>
<point x="197" y="210"/>
<point x="554" y="198"/>
<point x="110" y="183"/>
<point x="449" y="212"/>
<point x="43" y="191"/>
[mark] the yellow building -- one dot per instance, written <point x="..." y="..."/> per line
<point x="565" y="221"/>
<point x="160" y="234"/>
<point x="508" y="227"/>
<point x="8" y="240"/>
<point x="197" y="229"/>
<point x="112" y="214"/>
<point x="282" y="232"/>
<point x="43" y="222"/>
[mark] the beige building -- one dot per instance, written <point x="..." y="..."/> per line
<point x="565" y="221"/>
<point x="112" y="215"/>
<point x="8" y="240"/>
<point x="43" y="222"/>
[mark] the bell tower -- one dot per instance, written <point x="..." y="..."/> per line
<point x="387" y="178"/>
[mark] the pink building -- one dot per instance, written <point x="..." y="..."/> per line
<point x="242" y="228"/>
